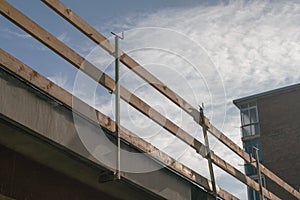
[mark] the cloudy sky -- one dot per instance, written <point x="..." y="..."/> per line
<point x="209" y="52"/>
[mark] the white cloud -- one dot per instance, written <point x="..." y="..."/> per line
<point x="10" y="33"/>
<point x="61" y="80"/>
<point x="254" y="46"/>
<point x="64" y="37"/>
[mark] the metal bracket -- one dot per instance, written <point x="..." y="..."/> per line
<point x="201" y="112"/>
<point x="121" y="37"/>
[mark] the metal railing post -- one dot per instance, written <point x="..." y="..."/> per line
<point x="117" y="103"/>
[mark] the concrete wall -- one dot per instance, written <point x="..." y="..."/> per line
<point x="24" y="178"/>
<point x="280" y="138"/>
<point x="42" y="129"/>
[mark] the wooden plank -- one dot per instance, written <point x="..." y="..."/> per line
<point x="98" y="38"/>
<point x="279" y="181"/>
<point x="26" y="73"/>
<point x="79" y="62"/>
<point x="249" y="159"/>
<point x="3" y="197"/>
<point x="240" y="176"/>
<point x="61" y="49"/>
<point x="50" y="41"/>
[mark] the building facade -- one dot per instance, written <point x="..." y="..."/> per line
<point x="270" y="121"/>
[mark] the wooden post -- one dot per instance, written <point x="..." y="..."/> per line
<point x="23" y="71"/>
<point x="209" y="160"/>
<point x="71" y="56"/>
<point x="98" y="38"/>
<point x="261" y="194"/>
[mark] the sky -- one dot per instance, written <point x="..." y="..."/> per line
<point x="209" y="52"/>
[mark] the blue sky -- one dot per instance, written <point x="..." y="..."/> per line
<point x="101" y="15"/>
<point x="207" y="51"/>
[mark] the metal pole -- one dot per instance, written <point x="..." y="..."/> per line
<point x="210" y="166"/>
<point x="261" y="194"/>
<point x="117" y="102"/>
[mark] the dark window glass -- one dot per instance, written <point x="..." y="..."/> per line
<point x="253" y="195"/>
<point x="249" y="144"/>
<point x="253" y="118"/>
<point x="249" y="118"/>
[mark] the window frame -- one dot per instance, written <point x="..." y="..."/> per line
<point x="254" y="128"/>
<point x="263" y="184"/>
<point x="253" y="192"/>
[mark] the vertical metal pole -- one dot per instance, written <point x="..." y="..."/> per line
<point x="261" y="196"/>
<point x="117" y="105"/>
<point x="210" y="166"/>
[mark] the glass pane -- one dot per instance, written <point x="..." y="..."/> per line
<point x="252" y="128"/>
<point x="257" y="130"/>
<point x="245" y="117"/>
<point x="257" y="196"/>
<point x="248" y="148"/>
<point x="249" y="170"/>
<point x="252" y="104"/>
<point x="250" y="193"/>
<point x="259" y="151"/>
<point x="253" y="116"/>
<point x="246" y="130"/>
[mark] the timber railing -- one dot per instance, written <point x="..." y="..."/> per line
<point x="79" y="62"/>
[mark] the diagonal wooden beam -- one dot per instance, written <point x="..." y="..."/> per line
<point x="92" y="71"/>
<point x="61" y="49"/>
<point x="101" y="40"/>
<point x="3" y="197"/>
<point x="26" y="73"/>
<point x="98" y="38"/>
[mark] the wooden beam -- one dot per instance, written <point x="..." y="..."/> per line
<point x="3" y="197"/>
<point x="49" y="40"/>
<point x="101" y="40"/>
<point x="26" y="73"/>
<point x="98" y="38"/>
<point x="61" y="49"/>
<point x="249" y="159"/>
<point x="92" y="71"/>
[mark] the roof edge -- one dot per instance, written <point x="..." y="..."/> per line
<point x="277" y="91"/>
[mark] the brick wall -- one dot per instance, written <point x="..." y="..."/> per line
<point x="279" y="117"/>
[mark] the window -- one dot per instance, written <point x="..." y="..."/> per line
<point x="253" y="195"/>
<point x="256" y="194"/>
<point x="249" y="144"/>
<point x="249" y="118"/>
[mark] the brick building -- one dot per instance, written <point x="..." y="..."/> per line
<point x="271" y="122"/>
